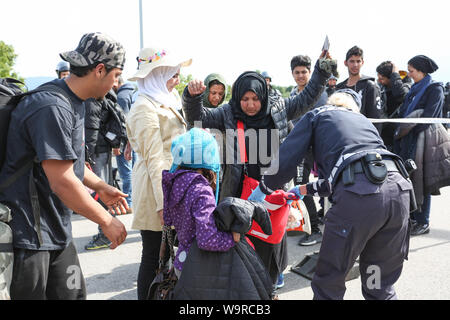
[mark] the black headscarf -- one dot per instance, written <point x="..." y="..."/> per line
<point x="251" y="81"/>
<point x="423" y="63"/>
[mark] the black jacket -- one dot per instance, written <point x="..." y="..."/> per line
<point x="96" y="114"/>
<point x="392" y="98"/>
<point x="237" y="274"/>
<point x="371" y="100"/>
<point x="222" y="118"/>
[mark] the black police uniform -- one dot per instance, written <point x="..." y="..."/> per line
<point x="370" y="196"/>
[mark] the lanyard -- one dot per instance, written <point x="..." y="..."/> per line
<point x="241" y="141"/>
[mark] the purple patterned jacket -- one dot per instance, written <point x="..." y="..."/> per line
<point x="189" y="203"/>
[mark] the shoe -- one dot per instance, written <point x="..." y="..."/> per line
<point x="303" y="237"/>
<point x="280" y="283"/>
<point x="98" y="242"/>
<point x="420" y="229"/>
<point x="311" y="239"/>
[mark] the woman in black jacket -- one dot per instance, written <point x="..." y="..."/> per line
<point x="428" y="96"/>
<point x="266" y="126"/>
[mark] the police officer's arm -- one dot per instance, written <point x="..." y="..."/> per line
<point x="319" y="188"/>
<point x="291" y="153"/>
<point x="65" y="184"/>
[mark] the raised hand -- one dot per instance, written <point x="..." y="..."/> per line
<point x="196" y="87"/>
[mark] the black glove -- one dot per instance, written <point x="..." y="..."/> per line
<point x="329" y="66"/>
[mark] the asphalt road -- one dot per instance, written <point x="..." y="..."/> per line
<point x="112" y="274"/>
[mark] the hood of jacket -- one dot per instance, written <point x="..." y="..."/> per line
<point x="363" y="78"/>
<point x="175" y="185"/>
<point x="366" y="78"/>
<point x="126" y="87"/>
<point x="209" y="78"/>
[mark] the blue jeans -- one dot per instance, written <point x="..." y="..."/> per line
<point x="125" y="168"/>
<point x="422" y="214"/>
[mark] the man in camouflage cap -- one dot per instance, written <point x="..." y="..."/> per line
<point x="48" y="126"/>
<point x="94" y="48"/>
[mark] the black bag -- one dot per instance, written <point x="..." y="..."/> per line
<point x="10" y="96"/>
<point x="113" y="127"/>
<point x="165" y="280"/>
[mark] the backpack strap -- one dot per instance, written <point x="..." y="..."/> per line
<point x="54" y="89"/>
<point x="35" y="207"/>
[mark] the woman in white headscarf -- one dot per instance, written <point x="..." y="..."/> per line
<point x="152" y="123"/>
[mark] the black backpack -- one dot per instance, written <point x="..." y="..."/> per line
<point x="10" y="96"/>
<point x="113" y="127"/>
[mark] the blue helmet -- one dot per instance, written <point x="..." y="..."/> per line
<point x="265" y="75"/>
<point x="62" y="66"/>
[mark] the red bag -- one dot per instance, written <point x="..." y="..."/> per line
<point x="276" y="203"/>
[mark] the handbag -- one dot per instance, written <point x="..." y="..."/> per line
<point x="163" y="285"/>
<point x="276" y="203"/>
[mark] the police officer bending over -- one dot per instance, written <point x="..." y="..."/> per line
<point x="369" y="191"/>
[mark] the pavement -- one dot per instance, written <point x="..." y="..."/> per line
<point x="112" y="274"/>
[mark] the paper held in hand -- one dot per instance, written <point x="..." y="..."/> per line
<point x="326" y="44"/>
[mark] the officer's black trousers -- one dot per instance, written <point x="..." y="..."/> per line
<point x="370" y="221"/>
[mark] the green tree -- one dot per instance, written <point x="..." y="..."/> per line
<point x="7" y="59"/>
<point x="184" y="80"/>
<point x="228" y="96"/>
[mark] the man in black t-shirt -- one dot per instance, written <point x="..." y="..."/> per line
<point x="49" y="127"/>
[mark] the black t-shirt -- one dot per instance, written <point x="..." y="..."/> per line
<point x="46" y="126"/>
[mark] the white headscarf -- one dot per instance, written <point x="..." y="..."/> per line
<point x="154" y="86"/>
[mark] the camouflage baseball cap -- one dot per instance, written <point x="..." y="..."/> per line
<point x="96" y="47"/>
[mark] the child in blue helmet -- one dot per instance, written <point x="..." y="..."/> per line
<point x="190" y="190"/>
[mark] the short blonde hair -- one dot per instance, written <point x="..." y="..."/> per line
<point x="341" y="99"/>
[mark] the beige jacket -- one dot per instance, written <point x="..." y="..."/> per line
<point x="151" y="128"/>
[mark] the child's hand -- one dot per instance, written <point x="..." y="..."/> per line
<point x="236" y="236"/>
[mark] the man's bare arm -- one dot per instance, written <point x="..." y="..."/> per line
<point x="65" y="184"/>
